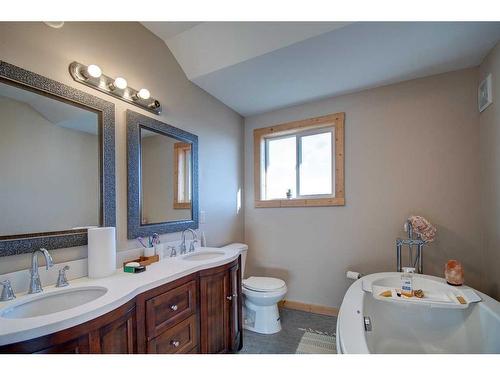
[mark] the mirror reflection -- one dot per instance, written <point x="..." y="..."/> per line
<point x="49" y="164"/>
<point x="165" y="178"/>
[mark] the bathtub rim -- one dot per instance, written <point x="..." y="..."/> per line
<point x="349" y="320"/>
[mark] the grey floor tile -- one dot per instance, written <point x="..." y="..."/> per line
<point x="286" y="341"/>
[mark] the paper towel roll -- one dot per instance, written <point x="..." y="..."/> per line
<point x="101" y="252"/>
<point x="353" y="275"/>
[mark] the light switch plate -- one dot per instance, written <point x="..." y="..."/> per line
<point x="203" y="217"/>
<point x="485" y="95"/>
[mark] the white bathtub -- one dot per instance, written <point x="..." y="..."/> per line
<point x="415" y="328"/>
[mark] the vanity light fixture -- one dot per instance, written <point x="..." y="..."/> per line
<point x="92" y="76"/>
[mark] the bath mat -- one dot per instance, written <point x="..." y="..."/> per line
<point x="316" y="343"/>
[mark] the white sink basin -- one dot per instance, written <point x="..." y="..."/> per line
<point x="204" y="255"/>
<point x="53" y="302"/>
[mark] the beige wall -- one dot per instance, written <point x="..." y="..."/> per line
<point x="410" y="148"/>
<point x="48" y="173"/>
<point x="129" y="50"/>
<point x="489" y="130"/>
<point x="157" y="178"/>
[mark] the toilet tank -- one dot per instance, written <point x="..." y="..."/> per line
<point x="243" y="251"/>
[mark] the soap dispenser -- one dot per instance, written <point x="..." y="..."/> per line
<point x="407" y="281"/>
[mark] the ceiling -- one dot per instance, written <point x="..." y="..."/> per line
<point x="255" y="67"/>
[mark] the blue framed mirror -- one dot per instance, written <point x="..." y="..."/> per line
<point x="162" y="177"/>
<point x="57" y="153"/>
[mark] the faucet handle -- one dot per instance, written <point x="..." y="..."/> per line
<point x="7" y="291"/>
<point x="62" y="279"/>
<point x="173" y="251"/>
<point x="191" y="247"/>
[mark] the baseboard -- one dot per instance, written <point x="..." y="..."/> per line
<point x="316" y="309"/>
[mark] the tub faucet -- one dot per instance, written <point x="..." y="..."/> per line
<point x="183" y="243"/>
<point x="411" y="241"/>
<point x="35" y="284"/>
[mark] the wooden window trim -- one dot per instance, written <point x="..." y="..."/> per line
<point x="259" y="135"/>
<point x="178" y="148"/>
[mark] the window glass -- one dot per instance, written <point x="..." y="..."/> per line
<point x="281" y="160"/>
<point x="316" y="164"/>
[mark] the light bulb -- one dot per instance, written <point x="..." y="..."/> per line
<point x="120" y="83"/>
<point x="94" y="71"/>
<point x="144" y="94"/>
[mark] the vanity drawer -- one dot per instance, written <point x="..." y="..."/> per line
<point x="180" y="339"/>
<point x="167" y="309"/>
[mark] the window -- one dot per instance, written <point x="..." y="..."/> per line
<point x="300" y="163"/>
<point x="182" y="175"/>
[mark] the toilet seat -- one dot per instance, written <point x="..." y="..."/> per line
<point x="263" y="284"/>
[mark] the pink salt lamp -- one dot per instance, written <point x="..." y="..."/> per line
<point x="454" y="273"/>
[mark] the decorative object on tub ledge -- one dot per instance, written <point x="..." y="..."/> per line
<point x="423" y="228"/>
<point x="454" y="272"/>
<point x="92" y="76"/>
<point x="101" y="252"/>
<point x="420" y="231"/>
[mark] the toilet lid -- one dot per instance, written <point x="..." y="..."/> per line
<point x="263" y="284"/>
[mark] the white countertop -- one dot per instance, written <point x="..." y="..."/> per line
<point x="122" y="287"/>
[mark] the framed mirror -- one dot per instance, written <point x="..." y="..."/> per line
<point x="162" y="177"/>
<point x="57" y="163"/>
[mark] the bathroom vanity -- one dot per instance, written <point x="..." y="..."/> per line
<point x="199" y="312"/>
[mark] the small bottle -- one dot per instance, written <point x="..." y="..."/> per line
<point x="407" y="281"/>
<point x="203" y="241"/>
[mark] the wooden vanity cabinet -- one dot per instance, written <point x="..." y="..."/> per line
<point x="198" y="313"/>
<point x="112" y="333"/>
<point x="220" y="309"/>
<point x="170" y="321"/>
<point x="235" y="309"/>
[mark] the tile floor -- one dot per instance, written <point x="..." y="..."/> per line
<point x="287" y="340"/>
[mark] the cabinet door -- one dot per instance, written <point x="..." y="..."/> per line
<point x="235" y="324"/>
<point x="79" y="345"/>
<point x="214" y="289"/>
<point x="116" y="337"/>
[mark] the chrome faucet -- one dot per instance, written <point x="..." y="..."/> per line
<point x="183" y="243"/>
<point x="417" y="261"/>
<point x="35" y="284"/>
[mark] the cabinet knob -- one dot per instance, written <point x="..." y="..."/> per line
<point x="173" y="307"/>
<point x="229" y="298"/>
<point x="175" y="343"/>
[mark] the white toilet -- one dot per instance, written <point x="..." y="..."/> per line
<point x="261" y="297"/>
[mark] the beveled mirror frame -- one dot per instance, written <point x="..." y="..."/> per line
<point x="24" y="79"/>
<point x="135" y="122"/>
